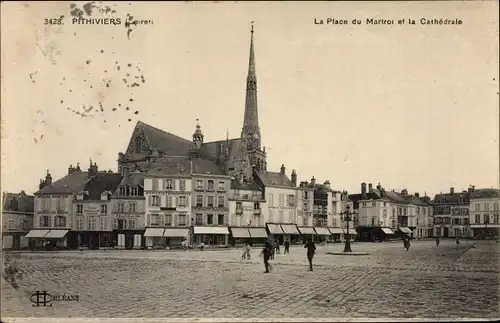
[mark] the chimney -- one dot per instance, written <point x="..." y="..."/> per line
<point x="48" y="178"/>
<point x="313" y="181"/>
<point x="404" y="191"/>
<point x="452" y="190"/>
<point x="379" y="187"/>
<point x="363" y="190"/>
<point x="71" y="170"/>
<point x="294" y="178"/>
<point x="370" y="187"/>
<point x="417" y="194"/>
<point x="473" y="188"/>
<point x="282" y="169"/>
<point x="93" y="169"/>
<point x="327" y="184"/>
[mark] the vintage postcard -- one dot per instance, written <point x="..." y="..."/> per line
<point x="250" y="161"/>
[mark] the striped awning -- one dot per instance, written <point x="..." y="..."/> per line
<point x="37" y="233"/>
<point x="176" y="232"/>
<point x="258" y="232"/>
<point x="322" y="231"/>
<point x="56" y="234"/>
<point x="154" y="232"/>
<point x="307" y="230"/>
<point x="387" y="231"/>
<point x="274" y="228"/>
<point x="211" y="230"/>
<point x="240" y="233"/>
<point x="352" y="232"/>
<point x="405" y="230"/>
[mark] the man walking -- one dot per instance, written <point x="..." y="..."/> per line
<point x="287" y="247"/>
<point x="266" y="253"/>
<point x="311" y="249"/>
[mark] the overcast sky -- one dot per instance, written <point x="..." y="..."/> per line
<point x="409" y="106"/>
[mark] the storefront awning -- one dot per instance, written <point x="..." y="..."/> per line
<point x="257" y="232"/>
<point x="274" y="228"/>
<point x="405" y="230"/>
<point x="36" y="234"/>
<point x="154" y="232"/>
<point x="240" y="233"/>
<point x="352" y="232"/>
<point x="290" y="229"/>
<point x="485" y="226"/>
<point x="56" y="234"/>
<point x="322" y="231"/>
<point x="176" y="232"/>
<point x="387" y="231"/>
<point x="336" y="230"/>
<point x="211" y="230"/>
<point x="306" y="230"/>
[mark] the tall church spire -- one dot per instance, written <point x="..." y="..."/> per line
<point x="251" y="130"/>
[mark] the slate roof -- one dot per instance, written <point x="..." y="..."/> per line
<point x="182" y="166"/>
<point x="211" y="150"/>
<point x="166" y="142"/>
<point x="250" y="186"/>
<point x="452" y="198"/>
<point x="102" y="182"/>
<point x="483" y="193"/>
<point x="133" y="179"/>
<point x="18" y="202"/>
<point x="274" y="179"/>
<point x="70" y="184"/>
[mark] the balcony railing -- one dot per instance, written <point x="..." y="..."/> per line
<point x="221" y="189"/>
<point x="256" y="211"/>
<point x="239" y="211"/>
<point x="199" y="189"/>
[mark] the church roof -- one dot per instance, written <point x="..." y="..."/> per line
<point x="210" y="150"/>
<point x="69" y="184"/>
<point x="165" y="142"/>
<point x="274" y="179"/>
<point x="17" y="202"/>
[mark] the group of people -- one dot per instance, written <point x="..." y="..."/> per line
<point x="269" y="251"/>
<point x="406" y="242"/>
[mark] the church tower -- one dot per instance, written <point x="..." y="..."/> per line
<point x="250" y="133"/>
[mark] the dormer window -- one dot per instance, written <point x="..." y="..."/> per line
<point x="133" y="191"/>
<point x="122" y="191"/>
<point x="104" y="197"/>
<point x="169" y="184"/>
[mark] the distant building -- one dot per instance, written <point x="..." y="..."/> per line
<point x="17" y="219"/>
<point x="484" y="212"/>
<point x="451" y="214"/>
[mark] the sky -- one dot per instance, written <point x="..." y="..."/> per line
<point x="409" y="106"/>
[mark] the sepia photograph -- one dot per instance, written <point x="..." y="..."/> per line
<point x="250" y="161"/>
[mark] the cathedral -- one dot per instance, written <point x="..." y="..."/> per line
<point x="241" y="158"/>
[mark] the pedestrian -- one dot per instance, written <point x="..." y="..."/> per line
<point x="277" y="247"/>
<point x="406" y="242"/>
<point x="287" y="247"/>
<point x="437" y="242"/>
<point x="246" y="252"/>
<point x="266" y="253"/>
<point x="183" y="245"/>
<point x="202" y="245"/>
<point x="457" y="241"/>
<point x="311" y="250"/>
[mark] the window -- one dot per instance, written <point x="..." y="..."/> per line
<point x="155" y="184"/>
<point x="291" y="200"/>
<point x="466" y="221"/>
<point x="199" y="184"/>
<point x="495" y="218"/>
<point x="364" y="203"/>
<point x="122" y="190"/>
<point x="133" y="191"/>
<point x="221" y="187"/>
<point x="393" y="223"/>
<point x="281" y="216"/>
<point x="486" y="206"/>
<point x="155" y="200"/>
<point x="79" y="209"/>
<point x="60" y="221"/>
<point x="58" y="203"/>
<point x="221" y="202"/>
<point x="374" y="203"/>
<point x="199" y="200"/>
<point x="154" y="219"/>
<point x="486" y="218"/>
<point x="182" y="201"/>
<point x="104" y="224"/>
<point x="181" y="219"/>
<point x="271" y="200"/>
<point x="477" y="207"/>
<point x="399" y="211"/>
<point x="210" y="185"/>
<point x="169" y="184"/>
<point x="168" y="219"/>
<point x="131" y="224"/>
<point x="256" y="206"/>
<point x="210" y="201"/>
<point x="455" y="221"/>
<point x="478" y="218"/>
<point x="25" y="224"/>
<point x="79" y="224"/>
<point x="220" y="219"/>
<point x="305" y="221"/>
<point x="405" y="211"/>
<point x="239" y="208"/>
<point x="305" y="196"/>
<point x="385" y="213"/>
<point x="45" y="221"/>
<point x="91" y="225"/>
<point x="282" y="200"/>
<point x="373" y="221"/>
<point x="138" y="144"/>
<point x="11" y="224"/>
<point x="169" y="201"/>
<point x="199" y="219"/>
<point x="182" y="185"/>
<point x="131" y="207"/>
<point x="393" y="212"/>
<point x="120" y="207"/>
<point x="424" y="211"/>
<point x="495" y="206"/>
<point x="104" y="209"/>
<point x="124" y="224"/>
<point x="210" y="219"/>
<point x="334" y="223"/>
<point x="438" y="232"/>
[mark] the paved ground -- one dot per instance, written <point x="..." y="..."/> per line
<point x="425" y="282"/>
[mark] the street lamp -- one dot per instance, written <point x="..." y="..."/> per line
<point x="347" y="218"/>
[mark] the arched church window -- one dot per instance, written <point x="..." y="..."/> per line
<point x="138" y="144"/>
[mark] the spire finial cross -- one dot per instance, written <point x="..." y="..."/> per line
<point x="251" y="30"/>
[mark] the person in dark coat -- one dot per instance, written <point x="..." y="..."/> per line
<point x="266" y="253"/>
<point x="311" y="250"/>
<point x="287" y="246"/>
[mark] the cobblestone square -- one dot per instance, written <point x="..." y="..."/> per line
<point x="425" y="282"/>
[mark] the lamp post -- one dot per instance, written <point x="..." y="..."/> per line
<point x="347" y="218"/>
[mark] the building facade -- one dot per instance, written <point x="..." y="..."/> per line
<point x="17" y="219"/>
<point x="451" y="214"/>
<point x="484" y="213"/>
